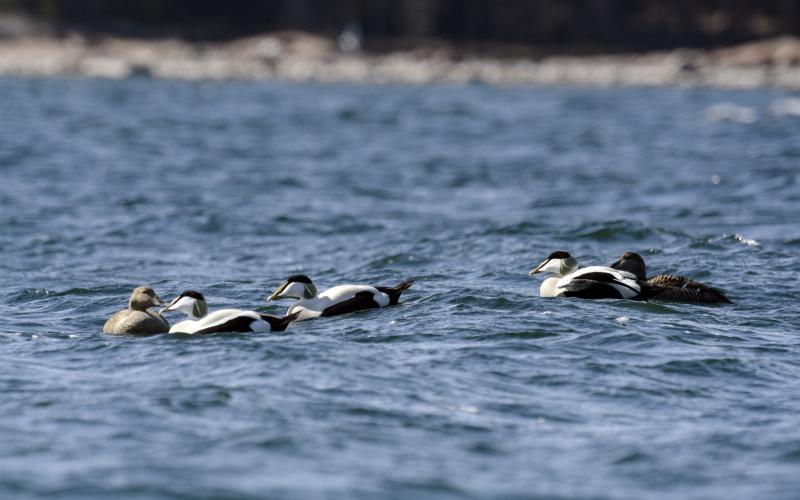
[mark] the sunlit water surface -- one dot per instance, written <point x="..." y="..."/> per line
<point x="474" y="387"/>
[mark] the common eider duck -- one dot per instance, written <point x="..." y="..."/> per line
<point x="194" y="305"/>
<point x="136" y="319"/>
<point x="669" y="287"/>
<point x="593" y="282"/>
<point x="337" y="300"/>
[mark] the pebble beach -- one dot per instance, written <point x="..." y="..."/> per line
<point x="302" y="57"/>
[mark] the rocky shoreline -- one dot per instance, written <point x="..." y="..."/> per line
<point x="301" y="57"/>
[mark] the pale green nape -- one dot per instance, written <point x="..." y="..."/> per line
<point x="200" y="309"/>
<point x="568" y="265"/>
<point x="309" y="291"/>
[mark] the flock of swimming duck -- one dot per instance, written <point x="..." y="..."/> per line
<point x="624" y="279"/>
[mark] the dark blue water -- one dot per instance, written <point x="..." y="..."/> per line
<point x="473" y="388"/>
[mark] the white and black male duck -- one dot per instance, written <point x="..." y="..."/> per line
<point x="194" y="305"/>
<point x="593" y="282"/>
<point x="336" y="300"/>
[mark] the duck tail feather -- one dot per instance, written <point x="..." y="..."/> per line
<point x="279" y="324"/>
<point x="404" y="285"/>
<point x="394" y="291"/>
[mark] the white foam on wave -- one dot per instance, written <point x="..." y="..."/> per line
<point x="739" y="238"/>
<point x="729" y="112"/>
<point x="785" y="107"/>
<point x="747" y="241"/>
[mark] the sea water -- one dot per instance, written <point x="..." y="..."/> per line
<point x="474" y="387"/>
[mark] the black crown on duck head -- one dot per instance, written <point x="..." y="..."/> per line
<point x="193" y="294"/>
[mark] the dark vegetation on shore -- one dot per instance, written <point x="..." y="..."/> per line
<point x="514" y="26"/>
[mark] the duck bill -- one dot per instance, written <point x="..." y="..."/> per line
<point x="538" y="269"/>
<point x="616" y="264"/>
<point x="277" y="293"/>
<point x="169" y="306"/>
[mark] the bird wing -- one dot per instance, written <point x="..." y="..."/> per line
<point x="227" y="320"/>
<point x="358" y="302"/>
<point x="582" y="280"/>
<point x="682" y="289"/>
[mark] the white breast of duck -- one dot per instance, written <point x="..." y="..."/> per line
<point x="593" y="282"/>
<point x="194" y="305"/>
<point x="336" y="300"/>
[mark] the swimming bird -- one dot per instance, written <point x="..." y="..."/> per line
<point x="593" y="282"/>
<point x="667" y="286"/>
<point x="193" y="304"/>
<point x="336" y="300"/>
<point x="136" y="319"/>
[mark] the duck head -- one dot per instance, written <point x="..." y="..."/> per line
<point x="297" y="287"/>
<point x="633" y="263"/>
<point x="560" y="263"/>
<point x="190" y="303"/>
<point x="142" y="298"/>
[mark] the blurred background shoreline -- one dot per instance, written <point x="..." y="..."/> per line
<point x="722" y="43"/>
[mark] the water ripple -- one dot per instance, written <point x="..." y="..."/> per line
<point x="474" y="387"/>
